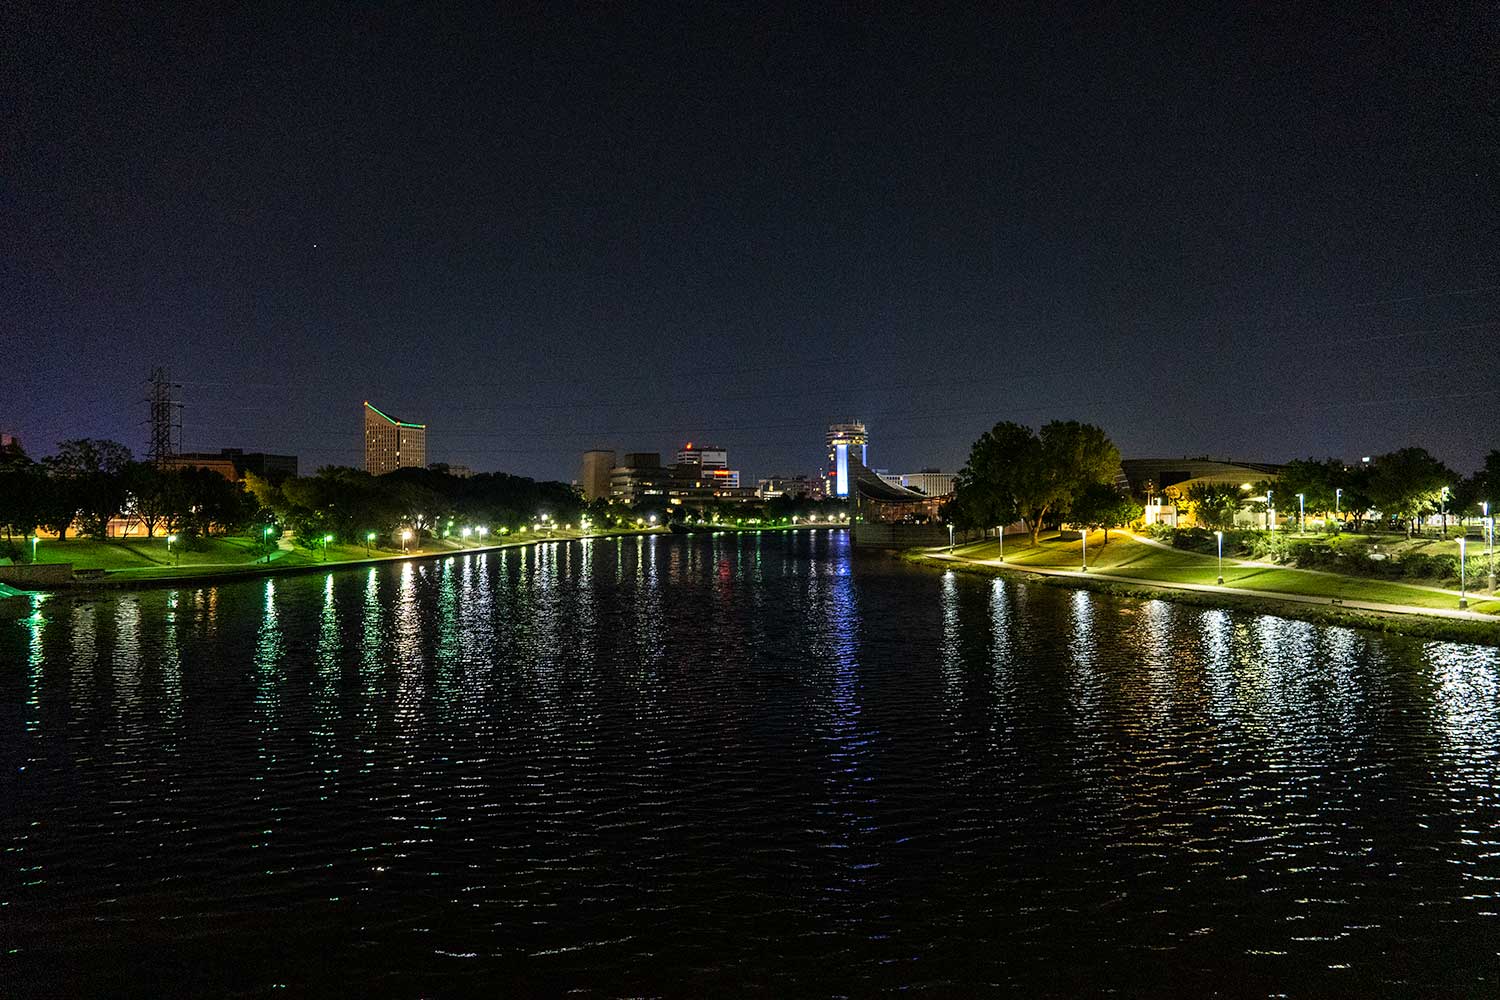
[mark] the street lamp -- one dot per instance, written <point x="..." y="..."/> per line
<point x="326" y="540"/>
<point x="1463" y="577"/>
<point x="1083" y="536"/>
<point x="369" y="538"/>
<point x="1301" y="513"/>
<point x="1001" y="532"/>
<point x="1338" y="495"/>
<point x="170" y="540"/>
<point x="405" y="538"/>
<point x="266" y="534"/>
<point x="1220" y="536"/>
<point x="1489" y="536"/>
<point x="950" y="538"/>
<point x="1443" y="508"/>
<point x="34" y="540"/>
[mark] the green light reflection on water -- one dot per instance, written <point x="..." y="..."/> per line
<point x="36" y="627"/>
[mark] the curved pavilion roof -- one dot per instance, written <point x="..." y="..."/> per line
<point x="872" y="487"/>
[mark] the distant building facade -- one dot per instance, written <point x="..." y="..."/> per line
<point x="1148" y="477"/>
<point x="595" y="480"/>
<point x="797" y="487"/>
<point x="711" y="457"/>
<point x="233" y="463"/>
<point x="845" y="442"/>
<point x="392" y="444"/>
<point x="698" y="474"/>
<point x="929" y="481"/>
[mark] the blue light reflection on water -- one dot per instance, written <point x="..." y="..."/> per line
<point x="647" y="763"/>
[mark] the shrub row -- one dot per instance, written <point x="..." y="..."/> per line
<point x="1350" y="556"/>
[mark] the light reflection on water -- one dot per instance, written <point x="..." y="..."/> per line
<point x="660" y="765"/>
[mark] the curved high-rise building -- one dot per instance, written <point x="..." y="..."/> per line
<point x="392" y="444"/>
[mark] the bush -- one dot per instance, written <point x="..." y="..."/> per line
<point x="1422" y="566"/>
<point x="1195" y="540"/>
<point x="1271" y="546"/>
<point x="1160" y="532"/>
<point x="1236" y="543"/>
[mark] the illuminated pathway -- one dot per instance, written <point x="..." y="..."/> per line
<point x="1210" y="588"/>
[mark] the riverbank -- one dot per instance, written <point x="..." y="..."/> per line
<point x="1139" y="568"/>
<point x="291" y="563"/>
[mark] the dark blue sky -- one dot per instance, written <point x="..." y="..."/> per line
<point x="1265" y="234"/>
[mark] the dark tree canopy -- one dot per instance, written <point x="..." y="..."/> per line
<point x="1014" y="472"/>
<point x="1408" y="483"/>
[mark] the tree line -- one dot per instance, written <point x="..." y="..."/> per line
<point x="1068" y="472"/>
<point x="88" y="484"/>
<point x="1404" y="486"/>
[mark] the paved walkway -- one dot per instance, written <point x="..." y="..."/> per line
<point x="1210" y="588"/>
<point x="1255" y="564"/>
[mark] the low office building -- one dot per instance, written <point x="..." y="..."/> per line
<point x="797" y="487"/>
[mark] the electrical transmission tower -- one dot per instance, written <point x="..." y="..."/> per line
<point x="166" y="417"/>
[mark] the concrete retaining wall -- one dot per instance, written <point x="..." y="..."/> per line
<point x="39" y="576"/>
<point x="879" y="535"/>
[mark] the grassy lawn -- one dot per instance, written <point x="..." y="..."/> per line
<point x="142" y="553"/>
<point x="1124" y="556"/>
<point x="141" y="558"/>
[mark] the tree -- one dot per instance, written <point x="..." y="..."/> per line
<point x="1100" y="505"/>
<point x="1407" y="483"/>
<point x="1212" y="505"/>
<point x="1317" y="480"/>
<point x="1013" y="472"/>
<point x="22" y="487"/>
<point x="92" y="472"/>
<point x="148" y="495"/>
<point x="988" y="488"/>
<point x="1485" y="483"/>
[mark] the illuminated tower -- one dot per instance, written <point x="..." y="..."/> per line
<point x="844" y="440"/>
<point x="392" y="444"/>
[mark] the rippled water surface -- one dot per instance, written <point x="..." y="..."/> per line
<point x="734" y="765"/>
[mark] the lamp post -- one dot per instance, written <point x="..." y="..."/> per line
<point x="1083" y="536"/>
<point x="34" y="540"/>
<point x="405" y="540"/>
<point x="170" y="540"/>
<point x="1301" y="513"/>
<point x="326" y="540"/>
<point x="1220" y="536"/>
<point x="1463" y="576"/>
<point x="950" y="538"/>
<point x="1001" y="532"/>
<point x="1489" y="539"/>
<point x="1443" y="508"/>
<point x="266" y="535"/>
<point x="369" y="538"/>
<point x="1338" y="495"/>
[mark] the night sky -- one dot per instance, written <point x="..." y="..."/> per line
<point x="1264" y="234"/>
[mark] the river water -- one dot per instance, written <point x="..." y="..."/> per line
<point x="740" y="764"/>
